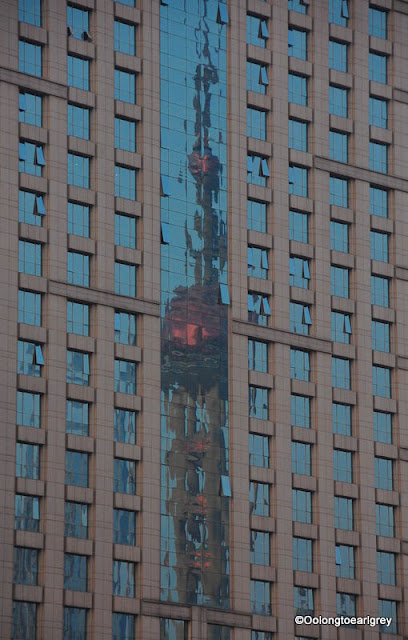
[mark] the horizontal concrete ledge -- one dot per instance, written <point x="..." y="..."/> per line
<point x="227" y="617"/>
<point x="283" y="337"/>
<point x="96" y="296"/>
<point x="358" y="173"/>
<point x="400" y="96"/>
<point x="41" y="85"/>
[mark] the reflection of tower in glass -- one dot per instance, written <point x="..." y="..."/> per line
<point x="195" y="517"/>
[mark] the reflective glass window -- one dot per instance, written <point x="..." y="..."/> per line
<point x="257" y="77"/>
<point x="125" y="231"/>
<point x="379" y="157"/>
<point x="301" y="458"/>
<point x="338" y="191"/>
<point x="297" y="135"/>
<point x="382" y="427"/>
<point x="124" y="476"/>
<point x="382" y="382"/>
<point x="171" y="629"/>
<point x="24" y="620"/>
<point x="30" y="108"/>
<point x="125" y="279"/>
<point x="30" y="11"/>
<point x="380" y="294"/>
<point x="383" y="471"/>
<point x="257" y="31"/>
<point x="298" y="226"/>
<point x="77" y="318"/>
<point x="76" y="468"/>
<point x="29" y="358"/>
<point x="257" y="170"/>
<point x="345" y="565"/>
<point x="343" y="513"/>
<point x="78" y="219"/>
<point x="388" y="609"/>
<point x="125" y="134"/>
<point x="338" y="101"/>
<point x="258" y="499"/>
<point x="380" y="336"/>
<point x="31" y="158"/>
<point x="301" y="506"/>
<point x="341" y="373"/>
<point x="123" y="579"/>
<point x="77" y="21"/>
<point x="378" y="202"/>
<point x="76" y="520"/>
<point x="78" y="170"/>
<point x="258" y="450"/>
<point x="28" y="409"/>
<point x="30" y="58"/>
<point x="78" y="268"/>
<point x="379" y="246"/>
<point x="75" y="572"/>
<point x="346" y="605"/>
<point x="297" y="43"/>
<point x="299" y="365"/>
<point x="260" y="548"/>
<point x="125" y="182"/>
<point x="341" y="327"/>
<point x="124" y="527"/>
<point x="338" y="55"/>
<point x="385" y="520"/>
<point x="299" y="272"/>
<point x="258" y="263"/>
<point x="302" y="554"/>
<point x="261" y="597"/>
<point x="338" y="12"/>
<point x="258" y="309"/>
<point x="378" y="112"/>
<point x="257" y="355"/>
<point x="341" y="419"/>
<point x="123" y="624"/>
<point x="78" y="370"/>
<point x="125" y="327"/>
<point x="78" y="72"/>
<point x="256" y="123"/>
<point x="300" y="411"/>
<point x="74" y="623"/>
<point x="29" y="307"/>
<point x="377" y="22"/>
<point x="298" y="181"/>
<point x="303" y="601"/>
<point x="342" y="463"/>
<point x="300" y="7"/>
<point x="124" y="37"/>
<point x="300" y="319"/>
<point x="339" y="236"/>
<point x="27" y="513"/>
<point x="124" y="426"/>
<point x="78" y="121"/>
<point x="27" y="461"/>
<point x="386" y="568"/>
<point x="77" y="417"/>
<point x="257" y="216"/>
<point x="125" y="86"/>
<point x="125" y="376"/>
<point x="297" y="89"/>
<point x="338" y="146"/>
<point x="30" y="208"/>
<point x="258" y="402"/>
<point x="377" y="67"/>
<point x="340" y="278"/>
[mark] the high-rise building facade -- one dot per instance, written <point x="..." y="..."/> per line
<point x="204" y="319"/>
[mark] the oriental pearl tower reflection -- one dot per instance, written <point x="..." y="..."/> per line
<point x="195" y="535"/>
